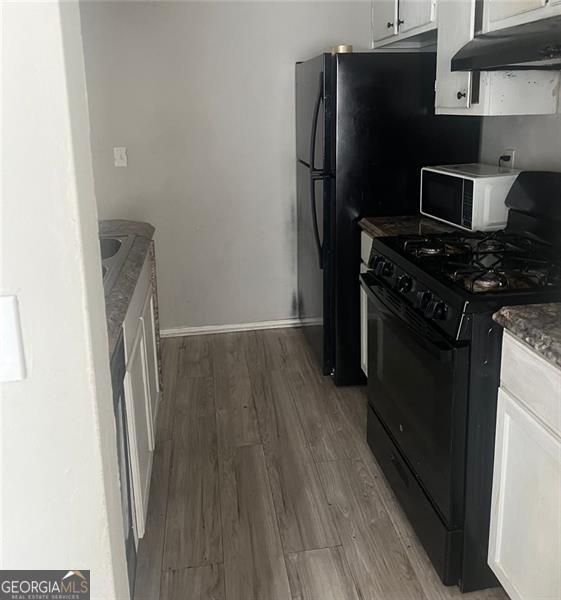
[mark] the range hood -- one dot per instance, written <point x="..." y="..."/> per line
<point x="534" y="45"/>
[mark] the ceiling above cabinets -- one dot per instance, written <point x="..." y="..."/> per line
<point x="416" y="23"/>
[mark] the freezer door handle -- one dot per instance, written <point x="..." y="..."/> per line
<point x="313" y="134"/>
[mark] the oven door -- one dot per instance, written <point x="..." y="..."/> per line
<point x="417" y="387"/>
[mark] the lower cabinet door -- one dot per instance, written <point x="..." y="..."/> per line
<point x="139" y="427"/>
<point x="525" y="536"/>
<point x="364" y="331"/>
<point x="148" y="324"/>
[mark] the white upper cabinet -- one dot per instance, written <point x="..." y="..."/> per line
<point x="502" y="9"/>
<point x="499" y="14"/>
<point x="487" y="93"/>
<point x="414" y="14"/>
<point x="384" y="19"/>
<point x="453" y="89"/>
<point x="403" y="23"/>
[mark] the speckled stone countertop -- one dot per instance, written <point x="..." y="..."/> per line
<point x="538" y="325"/>
<point x="403" y="225"/>
<point x="119" y="297"/>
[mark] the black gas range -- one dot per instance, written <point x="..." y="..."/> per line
<point x="434" y="365"/>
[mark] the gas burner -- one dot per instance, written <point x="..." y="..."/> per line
<point x="420" y="248"/>
<point x="429" y="250"/>
<point x="491" y="244"/>
<point x="487" y="282"/>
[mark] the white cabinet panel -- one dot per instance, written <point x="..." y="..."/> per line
<point x="525" y="536"/>
<point x="384" y="19"/>
<point x="147" y="319"/>
<point x="141" y="439"/>
<point x="415" y="13"/>
<point x="453" y="89"/>
<point x="363" y="331"/>
<point x="498" y="93"/>
<point x="503" y="9"/>
<point x="532" y="380"/>
<point x="365" y="247"/>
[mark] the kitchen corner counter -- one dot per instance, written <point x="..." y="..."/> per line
<point x="537" y="325"/>
<point x="402" y="225"/>
<point x="118" y="299"/>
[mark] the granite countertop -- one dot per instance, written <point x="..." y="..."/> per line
<point x="118" y="299"/>
<point x="538" y="325"/>
<point x="402" y="225"/>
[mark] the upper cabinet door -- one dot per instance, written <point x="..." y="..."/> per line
<point x="415" y="13"/>
<point x="504" y="9"/>
<point x="455" y="28"/>
<point x="384" y="19"/>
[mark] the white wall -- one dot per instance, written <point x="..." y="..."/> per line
<point x="59" y="494"/>
<point x="536" y="139"/>
<point x="202" y="95"/>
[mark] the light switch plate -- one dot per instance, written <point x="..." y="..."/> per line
<point x="12" y="359"/>
<point x="120" y="156"/>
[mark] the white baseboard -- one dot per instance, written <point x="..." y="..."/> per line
<point x="208" y="329"/>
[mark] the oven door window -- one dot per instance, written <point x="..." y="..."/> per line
<point x="443" y="196"/>
<point x="417" y="387"/>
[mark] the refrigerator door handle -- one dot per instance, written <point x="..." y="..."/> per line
<point x="316" y="174"/>
<point x="315" y="218"/>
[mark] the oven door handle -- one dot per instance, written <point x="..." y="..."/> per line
<point x="438" y="345"/>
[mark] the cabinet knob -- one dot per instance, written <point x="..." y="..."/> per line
<point x="389" y="25"/>
<point x="400" y="22"/>
<point x="460" y="95"/>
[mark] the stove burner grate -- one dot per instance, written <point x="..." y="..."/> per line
<point x="486" y="262"/>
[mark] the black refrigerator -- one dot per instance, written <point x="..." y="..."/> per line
<point x="365" y="125"/>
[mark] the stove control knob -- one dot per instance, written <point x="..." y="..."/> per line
<point x="422" y="299"/>
<point x="436" y="309"/>
<point x="387" y="269"/>
<point x="375" y="261"/>
<point x="404" y="284"/>
<point x="383" y="267"/>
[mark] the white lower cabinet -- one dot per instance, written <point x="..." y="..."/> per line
<point x="149" y="330"/>
<point x="140" y="430"/>
<point x="365" y="248"/>
<point x="141" y="390"/>
<point x="525" y="534"/>
<point x="363" y="331"/>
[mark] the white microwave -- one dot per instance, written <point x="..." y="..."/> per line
<point x="470" y="196"/>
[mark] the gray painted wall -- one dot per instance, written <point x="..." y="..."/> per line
<point x="201" y="94"/>
<point x="536" y="139"/>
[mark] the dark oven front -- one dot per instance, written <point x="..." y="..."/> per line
<point x="417" y="388"/>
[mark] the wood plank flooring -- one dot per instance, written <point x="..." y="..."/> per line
<point x="263" y="486"/>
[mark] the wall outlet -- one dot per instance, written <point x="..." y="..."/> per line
<point x="120" y="156"/>
<point x="507" y="162"/>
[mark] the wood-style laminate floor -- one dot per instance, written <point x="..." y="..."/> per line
<point x="263" y="486"/>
